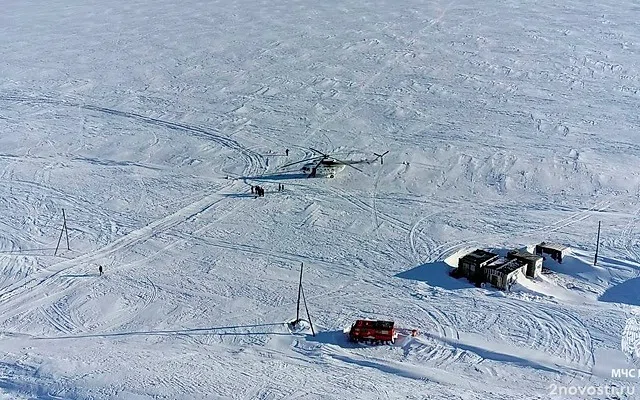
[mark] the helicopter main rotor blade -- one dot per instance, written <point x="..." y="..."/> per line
<point x="298" y="162"/>
<point x="348" y="164"/>
<point x="319" y="152"/>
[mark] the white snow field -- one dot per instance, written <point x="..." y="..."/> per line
<point x="508" y="123"/>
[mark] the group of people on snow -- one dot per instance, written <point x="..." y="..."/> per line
<point x="257" y="190"/>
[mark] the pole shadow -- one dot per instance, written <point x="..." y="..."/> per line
<point x="78" y="275"/>
<point x="28" y="251"/>
<point x="221" y="331"/>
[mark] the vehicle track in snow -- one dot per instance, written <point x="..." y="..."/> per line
<point x="443" y="250"/>
<point x="15" y="294"/>
<point x="415" y="233"/>
<point x="253" y="165"/>
<point x="630" y="243"/>
<point x="551" y="330"/>
<point x="356" y="201"/>
<point x="147" y="289"/>
<point x="254" y="160"/>
<point x="146" y="293"/>
<point x="58" y="314"/>
<point x="65" y="283"/>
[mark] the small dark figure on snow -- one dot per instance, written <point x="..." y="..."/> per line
<point x="100" y="269"/>
<point x="252" y="189"/>
<point x="286" y="152"/>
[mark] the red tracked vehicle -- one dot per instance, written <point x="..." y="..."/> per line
<point x="373" y="332"/>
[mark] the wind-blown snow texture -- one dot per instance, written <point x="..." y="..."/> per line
<point x="508" y="123"/>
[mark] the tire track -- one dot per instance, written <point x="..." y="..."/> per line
<point x="145" y="290"/>
<point x="254" y="160"/>
<point x="16" y="293"/>
<point x="626" y="237"/>
<point x="556" y="332"/>
<point x="440" y="252"/>
<point x="58" y="318"/>
<point x="356" y="201"/>
<point x="412" y="236"/>
<point x="147" y="285"/>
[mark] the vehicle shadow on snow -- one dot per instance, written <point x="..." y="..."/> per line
<point x="237" y="330"/>
<point x="335" y="337"/>
<point x="435" y="274"/>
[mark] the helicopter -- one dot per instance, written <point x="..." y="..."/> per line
<point x="325" y="165"/>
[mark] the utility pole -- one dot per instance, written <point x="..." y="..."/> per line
<point x="595" y="260"/>
<point x="304" y="299"/>
<point x="65" y="231"/>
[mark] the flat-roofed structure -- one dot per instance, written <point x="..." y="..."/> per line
<point x="554" y="250"/>
<point x="532" y="261"/>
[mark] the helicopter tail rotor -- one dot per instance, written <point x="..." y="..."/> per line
<point x="380" y="156"/>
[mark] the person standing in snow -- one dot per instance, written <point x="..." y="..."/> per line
<point x="100" y="269"/>
<point x="286" y="152"/>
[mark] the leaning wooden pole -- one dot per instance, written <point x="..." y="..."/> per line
<point x="59" y="239"/>
<point x="307" y="309"/>
<point x="595" y="260"/>
<point x="66" y="231"/>
<point x="299" y="292"/>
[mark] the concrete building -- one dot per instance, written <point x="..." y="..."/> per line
<point x="533" y="262"/>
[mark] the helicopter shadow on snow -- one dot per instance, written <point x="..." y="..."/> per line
<point x="283" y="176"/>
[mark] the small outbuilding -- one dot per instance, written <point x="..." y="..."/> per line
<point x="472" y="264"/>
<point x="533" y="262"/>
<point x="554" y="250"/>
<point x="503" y="273"/>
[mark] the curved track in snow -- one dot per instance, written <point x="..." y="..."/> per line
<point x="255" y="162"/>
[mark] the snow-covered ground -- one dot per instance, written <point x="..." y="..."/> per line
<point x="508" y="123"/>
